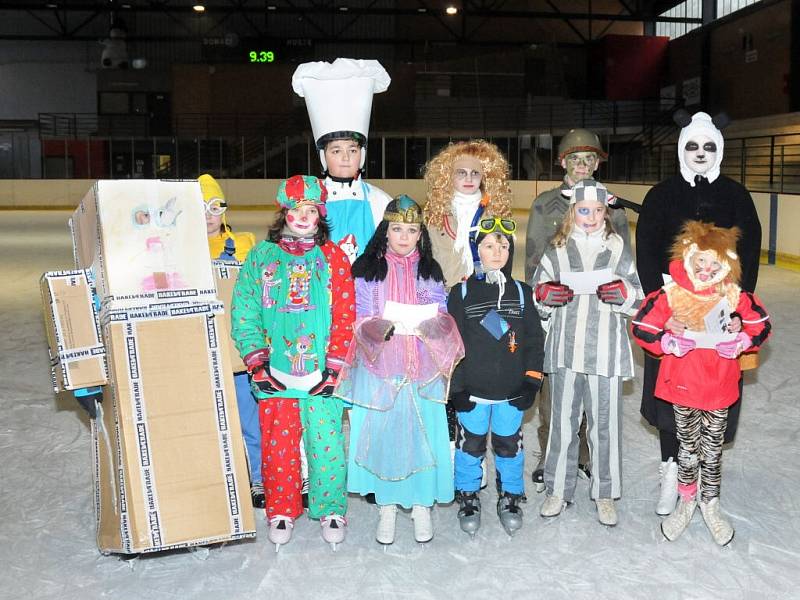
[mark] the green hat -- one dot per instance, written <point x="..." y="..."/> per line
<point x="580" y="140"/>
<point x="300" y="189"/>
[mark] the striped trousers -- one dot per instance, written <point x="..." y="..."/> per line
<point x="700" y="435"/>
<point x="599" y="397"/>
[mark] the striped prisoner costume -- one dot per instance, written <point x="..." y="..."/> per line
<point x="587" y="354"/>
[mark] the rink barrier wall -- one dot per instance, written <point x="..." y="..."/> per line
<point x="778" y="212"/>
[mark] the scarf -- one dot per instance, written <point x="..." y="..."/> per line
<point x="401" y="283"/>
<point x="464" y="207"/>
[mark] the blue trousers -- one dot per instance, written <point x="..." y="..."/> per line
<point x="473" y="428"/>
<point x="251" y="430"/>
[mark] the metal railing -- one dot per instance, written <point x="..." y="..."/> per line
<point x="766" y="163"/>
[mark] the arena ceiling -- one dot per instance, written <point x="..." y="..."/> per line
<point x="479" y="22"/>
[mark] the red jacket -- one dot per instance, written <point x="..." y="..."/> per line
<point x="701" y="378"/>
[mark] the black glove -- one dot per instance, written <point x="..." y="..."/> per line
<point x="325" y="387"/>
<point x="527" y="394"/>
<point x="265" y="381"/>
<point x="461" y="402"/>
<point x="88" y="403"/>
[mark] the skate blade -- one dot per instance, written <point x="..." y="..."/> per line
<point x="540" y="487"/>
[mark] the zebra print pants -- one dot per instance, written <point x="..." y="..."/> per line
<point x="700" y="434"/>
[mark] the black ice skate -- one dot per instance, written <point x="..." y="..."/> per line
<point x="509" y="511"/>
<point x="469" y="512"/>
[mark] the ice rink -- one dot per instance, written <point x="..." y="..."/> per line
<point x="47" y="544"/>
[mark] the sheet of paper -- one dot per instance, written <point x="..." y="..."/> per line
<point x="407" y="317"/>
<point x="586" y="282"/>
<point x="716" y="327"/>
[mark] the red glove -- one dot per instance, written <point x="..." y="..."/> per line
<point x="265" y="381"/>
<point x="554" y="293"/>
<point x="676" y="344"/>
<point x="613" y="292"/>
<point x="325" y="387"/>
<point x="257" y="363"/>
<point x="256" y="359"/>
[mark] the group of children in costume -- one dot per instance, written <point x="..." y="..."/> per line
<point x="388" y="338"/>
<point x="411" y="319"/>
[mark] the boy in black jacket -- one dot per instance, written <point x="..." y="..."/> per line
<point x="499" y="376"/>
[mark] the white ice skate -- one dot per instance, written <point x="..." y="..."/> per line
<point x="333" y="529"/>
<point x="552" y="506"/>
<point x="676" y="523"/>
<point x="606" y="511"/>
<point x="668" y="476"/>
<point x="423" y="525"/>
<point x="386" y="524"/>
<point x="280" y="530"/>
<point x="720" y="528"/>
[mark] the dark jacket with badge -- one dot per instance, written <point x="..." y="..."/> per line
<point x="495" y="368"/>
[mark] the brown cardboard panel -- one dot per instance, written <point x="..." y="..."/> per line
<point x="76" y="350"/>
<point x="184" y="474"/>
<point x="225" y="275"/>
<point x="145" y="241"/>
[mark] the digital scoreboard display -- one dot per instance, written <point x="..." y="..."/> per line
<point x="261" y="56"/>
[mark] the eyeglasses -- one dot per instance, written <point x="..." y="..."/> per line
<point x="216" y="207"/>
<point x="587" y="159"/>
<point x="491" y="225"/>
<point x="464" y="174"/>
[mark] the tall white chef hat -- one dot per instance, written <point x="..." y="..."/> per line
<point x="339" y="97"/>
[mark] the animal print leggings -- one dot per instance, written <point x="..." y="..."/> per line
<point x="700" y="434"/>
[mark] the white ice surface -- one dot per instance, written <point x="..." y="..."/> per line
<point x="47" y="545"/>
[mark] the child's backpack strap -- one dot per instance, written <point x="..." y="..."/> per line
<point x="463" y="289"/>
<point x="521" y="297"/>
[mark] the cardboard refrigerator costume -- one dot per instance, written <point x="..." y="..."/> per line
<point x="338" y="97"/>
<point x="169" y="463"/>
<point x="699" y="193"/>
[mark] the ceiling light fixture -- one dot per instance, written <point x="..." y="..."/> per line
<point x="199" y="8"/>
<point x="451" y="10"/>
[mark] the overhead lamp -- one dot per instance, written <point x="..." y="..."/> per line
<point x="343" y="8"/>
<point x="51" y="5"/>
<point x="272" y="7"/>
<point x="199" y="8"/>
<point x="451" y="10"/>
<point x="422" y="9"/>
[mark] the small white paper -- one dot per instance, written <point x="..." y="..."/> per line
<point x="586" y="282"/>
<point x="407" y="317"/>
<point x="716" y="327"/>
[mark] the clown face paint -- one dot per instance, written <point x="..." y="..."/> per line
<point x="493" y="251"/>
<point x="467" y="175"/>
<point x="589" y="215"/>
<point x="343" y="158"/>
<point x="302" y="221"/>
<point x="700" y="154"/>
<point x="580" y="165"/>
<point x="706" y="266"/>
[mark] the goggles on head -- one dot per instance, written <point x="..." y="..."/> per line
<point x="216" y="207"/>
<point x="491" y="225"/>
